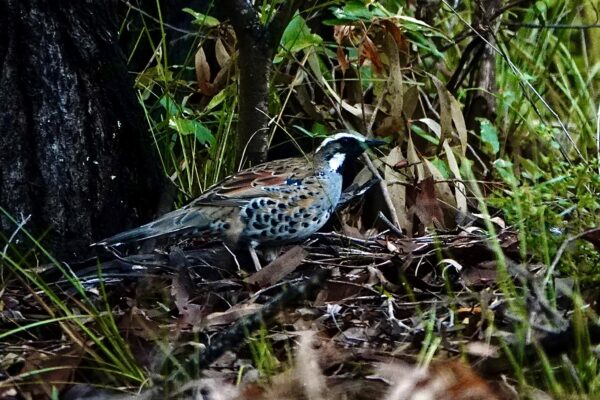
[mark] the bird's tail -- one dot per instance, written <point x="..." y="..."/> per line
<point x="180" y="221"/>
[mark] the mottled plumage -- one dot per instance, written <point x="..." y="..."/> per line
<point x="274" y="203"/>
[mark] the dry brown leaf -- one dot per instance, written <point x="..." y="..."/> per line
<point x="278" y="268"/>
<point x="221" y="54"/>
<point x="481" y="274"/>
<point x="449" y="380"/>
<point x="459" y="187"/>
<point x="232" y="315"/>
<point x="411" y="100"/>
<point x="337" y="290"/>
<point x="445" y="109"/>
<point x="459" y="124"/>
<point x="51" y="370"/>
<point x="342" y="59"/>
<point x="202" y="73"/>
<point x="413" y="159"/>
<point x="181" y="287"/>
<point x="427" y="207"/>
<point x="392" y="29"/>
<point x="396" y="186"/>
<point x="368" y="51"/>
<point x="136" y="323"/>
<point x="395" y="85"/>
<point x="341" y="33"/>
<point x="442" y="187"/>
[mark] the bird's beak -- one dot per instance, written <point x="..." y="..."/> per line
<point x="375" y="142"/>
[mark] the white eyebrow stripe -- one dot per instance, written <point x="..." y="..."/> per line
<point x="339" y="136"/>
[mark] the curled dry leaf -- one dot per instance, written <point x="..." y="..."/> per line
<point x="427" y="207"/>
<point x="221" y="54"/>
<point x="53" y="370"/>
<point x="342" y="59"/>
<point x="202" y="73"/>
<point x="341" y="33"/>
<point x="368" y="51"/>
<point x="395" y="33"/>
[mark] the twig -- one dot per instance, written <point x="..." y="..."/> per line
<point x="14" y="234"/>
<point x="389" y="224"/>
<point x="560" y="252"/>
<point x="384" y="192"/>
<point x="550" y="26"/>
<point x="231" y="337"/>
<point x="144" y="13"/>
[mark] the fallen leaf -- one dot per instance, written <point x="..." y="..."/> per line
<point x="427" y="207"/>
<point x="278" y="268"/>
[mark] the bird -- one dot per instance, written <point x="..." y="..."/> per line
<point x="271" y="204"/>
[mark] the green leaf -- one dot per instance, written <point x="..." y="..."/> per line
<point x="169" y="105"/>
<point x="489" y="135"/>
<point x="422" y="133"/>
<point x="216" y="100"/>
<point x="296" y="37"/>
<point x="505" y="170"/>
<point x="442" y="166"/>
<point x="319" y="130"/>
<point x="190" y="126"/>
<point x="356" y="10"/>
<point x="307" y="133"/>
<point x="353" y="11"/>
<point x="202" y="19"/>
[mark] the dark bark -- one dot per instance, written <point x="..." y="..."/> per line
<point x="257" y="45"/>
<point x="73" y="148"/>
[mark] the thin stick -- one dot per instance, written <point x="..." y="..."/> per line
<point x="384" y="191"/>
<point x="14" y="234"/>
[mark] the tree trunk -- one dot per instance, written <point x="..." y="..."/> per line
<point x="74" y="152"/>
<point x="257" y="46"/>
<point x="482" y="102"/>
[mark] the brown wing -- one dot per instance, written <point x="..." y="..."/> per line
<point x="238" y="188"/>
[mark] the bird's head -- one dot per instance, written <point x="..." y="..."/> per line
<point x="335" y="150"/>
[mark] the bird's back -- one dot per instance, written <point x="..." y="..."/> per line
<point x="276" y="202"/>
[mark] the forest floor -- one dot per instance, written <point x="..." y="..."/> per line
<point x="341" y="316"/>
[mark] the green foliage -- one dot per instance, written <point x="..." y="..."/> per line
<point x="262" y="352"/>
<point x="489" y="136"/>
<point x="202" y="20"/>
<point x="549" y="206"/>
<point x="296" y="37"/>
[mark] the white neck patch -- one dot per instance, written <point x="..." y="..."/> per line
<point x="337" y="136"/>
<point x="336" y="161"/>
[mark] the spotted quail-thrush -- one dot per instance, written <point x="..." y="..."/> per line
<point x="271" y="204"/>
